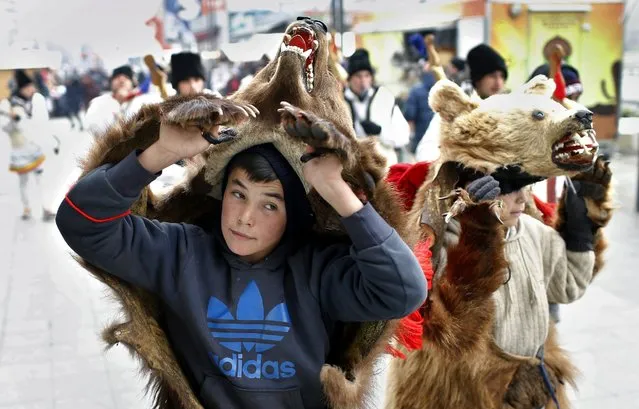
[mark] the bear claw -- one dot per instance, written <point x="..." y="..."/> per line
<point x="464" y="201"/>
<point x="318" y="133"/>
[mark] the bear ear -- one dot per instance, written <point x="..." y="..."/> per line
<point x="449" y="101"/>
<point x="539" y="85"/>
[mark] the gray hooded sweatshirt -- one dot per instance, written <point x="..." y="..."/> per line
<point x="246" y="335"/>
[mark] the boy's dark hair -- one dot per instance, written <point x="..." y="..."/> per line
<point x="264" y="163"/>
<point x="257" y="168"/>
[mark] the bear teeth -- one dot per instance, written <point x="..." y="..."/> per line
<point x="294" y="49"/>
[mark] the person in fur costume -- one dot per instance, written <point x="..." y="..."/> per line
<point x="25" y="119"/>
<point x="317" y="350"/>
<point x="487" y="338"/>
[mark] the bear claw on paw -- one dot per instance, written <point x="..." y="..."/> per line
<point x="318" y="133"/>
<point x="464" y="201"/>
<point x="204" y="113"/>
<point x="222" y="137"/>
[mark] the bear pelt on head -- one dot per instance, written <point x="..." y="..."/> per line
<point x="525" y="130"/>
<point x="315" y="115"/>
<point x="459" y="364"/>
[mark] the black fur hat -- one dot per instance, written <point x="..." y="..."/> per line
<point x="125" y="70"/>
<point x="186" y="65"/>
<point x="22" y="79"/>
<point x="359" y="61"/>
<point x="483" y="60"/>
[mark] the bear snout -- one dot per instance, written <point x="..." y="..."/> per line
<point x="584" y="117"/>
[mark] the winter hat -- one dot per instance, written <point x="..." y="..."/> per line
<point x="186" y="65"/>
<point x="359" y="61"/>
<point x="573" y="83"/>
<point x="458" y="63"/>
<point x="570" y="74"/>
<point x="483" y="60"/>
<point x="299" y="213"/>
<point x="510" y="178"/>
<point x="125" y="70"/>
<point x="22" y="79"/>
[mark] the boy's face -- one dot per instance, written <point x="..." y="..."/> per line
<point x="253" y="216"/>
<point x="514" y="205"/>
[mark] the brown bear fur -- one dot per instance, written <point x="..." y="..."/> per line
<point x="460" y="365"/>
<point x="346" y="374"/>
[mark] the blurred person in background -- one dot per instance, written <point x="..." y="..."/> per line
<point x="416" y="109"/>
<point x="74" y="98"/>
<point x="488" y="75"/>
<point x="25" y="118"/>
<point x="456" y="72"/>
<point x="121" y="102"/>
<point x="188" y="75"/>
<point x="574" y="87"/>
<point x="221" y="74"/>
<point x="373" y="108"/>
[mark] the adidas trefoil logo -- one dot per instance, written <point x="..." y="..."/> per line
<point x="249" y="331"/>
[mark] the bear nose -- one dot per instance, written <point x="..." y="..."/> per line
<point x="584" y="116"/>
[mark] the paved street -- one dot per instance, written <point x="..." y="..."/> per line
<point x="51" y="310"/>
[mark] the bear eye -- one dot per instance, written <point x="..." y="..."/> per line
<point x="538" y="115"/>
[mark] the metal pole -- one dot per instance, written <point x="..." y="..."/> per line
<point x="341" y="22"/>
<point x="337" y="16"/>
<point x="637" y="193"/>
<point x="333" y="14"/>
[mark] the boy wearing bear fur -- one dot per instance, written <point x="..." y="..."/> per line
<point x="543" y="264"/>
<point x="487" y="339"/>
<point x="254" y="260"/>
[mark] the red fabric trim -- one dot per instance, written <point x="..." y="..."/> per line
<point x="407" y="179"/>
<point x="560" y="89"/>
<point x="548" y="210"/>
<point x="411" y="328"/>
<point x="93" y="219"/>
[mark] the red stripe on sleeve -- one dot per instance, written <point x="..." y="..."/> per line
<point x="93" y="219"/>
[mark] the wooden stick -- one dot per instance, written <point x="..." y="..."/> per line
<point x="554" y="64"/>
<point x="433" y="58"/>
<point x="158" y="77"/>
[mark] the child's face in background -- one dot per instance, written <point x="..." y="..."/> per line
<point x="253" y="216"/>
<point x="514" y="205"/>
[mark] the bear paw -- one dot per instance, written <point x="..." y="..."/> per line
<point x="595" y="187"/>
<point x="204" y="112"/>
<point x="319" y="133"/>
